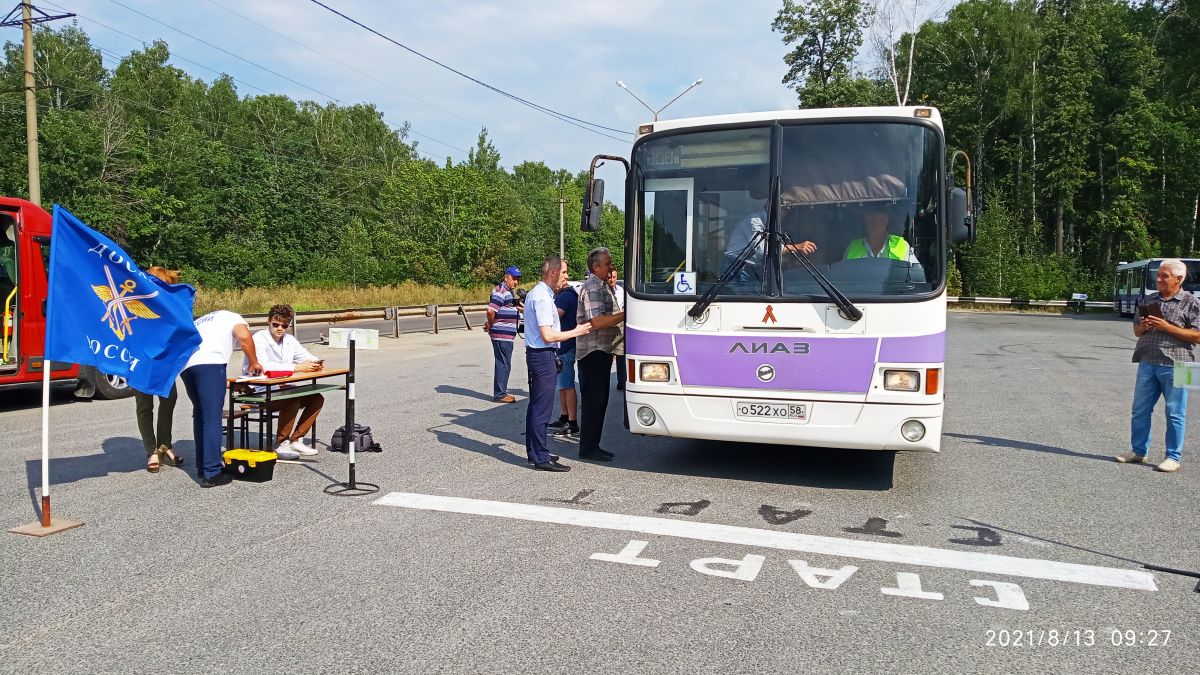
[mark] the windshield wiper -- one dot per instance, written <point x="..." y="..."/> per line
<point x="739" y="262"/>
<point x="845" y="307"/>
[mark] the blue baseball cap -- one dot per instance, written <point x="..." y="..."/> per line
<point x="513" y="271"/>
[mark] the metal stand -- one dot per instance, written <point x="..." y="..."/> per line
<point x="351" y="488"/>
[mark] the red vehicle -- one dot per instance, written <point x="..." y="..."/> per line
<point x="24" y="264"/>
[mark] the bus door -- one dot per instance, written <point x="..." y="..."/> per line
<point x="668" y="227"/>
<point x="9" y="355"/>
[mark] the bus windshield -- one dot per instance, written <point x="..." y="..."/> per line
<point x="864" y="194"/>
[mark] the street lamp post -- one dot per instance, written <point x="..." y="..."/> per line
<point x="652" y="110"/>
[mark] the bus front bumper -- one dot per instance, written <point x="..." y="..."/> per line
<point x="862" y="426"/>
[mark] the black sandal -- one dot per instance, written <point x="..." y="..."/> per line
<point x="169" y="457"/>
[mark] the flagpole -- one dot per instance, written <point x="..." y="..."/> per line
<point x="47" y="525"/>
<point x="45" y="443"/>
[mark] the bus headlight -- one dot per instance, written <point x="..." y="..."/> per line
<point x="646" y="416"/>
<point x="912" y="431"/>
<point x="901" y="380"/>
<point x="654" y="372"/>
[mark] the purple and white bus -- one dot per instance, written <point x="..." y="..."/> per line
<point x="733" y="332"/>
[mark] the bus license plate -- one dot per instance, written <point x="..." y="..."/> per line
<point x="782" y="411"/>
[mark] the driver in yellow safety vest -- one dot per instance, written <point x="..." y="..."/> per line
<point x="878" y="243"/>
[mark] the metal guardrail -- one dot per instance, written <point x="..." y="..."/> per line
<point x="381" y="313"/>
<point x="385" y="313"/>
<point x="1019" y="302"/>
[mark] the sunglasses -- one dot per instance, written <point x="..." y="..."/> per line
<point x="276" y="324"/>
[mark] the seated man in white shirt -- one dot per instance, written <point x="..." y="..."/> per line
<point x="280" y="352"/>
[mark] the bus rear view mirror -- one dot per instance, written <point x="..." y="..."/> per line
<point x="593" y="203"/>
<point x="962" y="229"/>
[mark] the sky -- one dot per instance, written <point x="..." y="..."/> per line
<point x="564" y="56"/>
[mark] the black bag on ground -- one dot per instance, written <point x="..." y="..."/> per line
<point x="366" y="443"/>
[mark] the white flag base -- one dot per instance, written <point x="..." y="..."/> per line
<point x="38" y="530"/>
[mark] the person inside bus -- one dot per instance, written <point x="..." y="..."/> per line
<point x="877" y="243"/>
<point x="8" y="253"/>
<point x="8" y="275"/>
<point x="745" y="230"/>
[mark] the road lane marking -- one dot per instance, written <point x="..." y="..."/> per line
<point x="923" y="556"/>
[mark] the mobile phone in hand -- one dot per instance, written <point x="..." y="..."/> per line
<point x="1150" y="309"/>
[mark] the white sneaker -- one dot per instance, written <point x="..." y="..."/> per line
<point x="303" y="449"/>
<point x="1168" y="466"/>
<point x="285" y="451"/>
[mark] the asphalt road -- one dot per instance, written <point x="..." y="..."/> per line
<point x="755" y="558"/>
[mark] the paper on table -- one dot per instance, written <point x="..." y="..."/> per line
<point x="252" y="378"/>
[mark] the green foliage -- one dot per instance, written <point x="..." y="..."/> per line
<point x="267" y="191"/>
<point x="1082" y="118"/>
<point x="826" y="35"/>
<point x="1002" y="263"/>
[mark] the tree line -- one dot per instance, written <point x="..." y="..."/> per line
<point x="1082" y="118"/>
<point x="240" y="191"/>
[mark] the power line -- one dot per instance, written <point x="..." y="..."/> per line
<point x="226" y="51"/>
<point x="390" y="86"/>
<point x="176" y="55"/>
<point x="574" y="121"/>
<point x="347" y="170"/>
<point x="344" y="65"/>
<point x="265" y="91"/>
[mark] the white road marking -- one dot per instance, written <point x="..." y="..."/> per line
<point x="1008" y="596"/>
<point x="629" y="555"/>
<point x="924" y="556"/>
<point x="746" y="569"/>
<point x="908" y="585"/>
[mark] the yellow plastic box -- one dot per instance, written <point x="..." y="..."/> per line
<point x="256" y="466"/>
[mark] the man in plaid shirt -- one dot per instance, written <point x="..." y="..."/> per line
<point x="1167" y="325"/>
<point x="594" y="352"/>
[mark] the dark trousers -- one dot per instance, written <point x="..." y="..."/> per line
<point x="154" y="435"/>
<point x="503" y="350"/>
<point x="205" y="386"/>
<point x="542" y="378"/>
<point x="593" y="398"/>
<point x="621" y="372"/>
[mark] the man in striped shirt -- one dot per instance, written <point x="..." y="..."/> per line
<point x="502" y="314"/>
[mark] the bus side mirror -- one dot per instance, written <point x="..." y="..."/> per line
<point x="593" y="204"/>
<point x="962" y="228"/>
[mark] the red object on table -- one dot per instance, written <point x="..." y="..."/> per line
<point x="272" y="374"/>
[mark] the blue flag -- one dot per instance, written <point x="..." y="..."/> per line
<point x="105" y="312"/>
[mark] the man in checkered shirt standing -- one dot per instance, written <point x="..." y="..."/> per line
<point x="1162" y="341"/>
<point x="594" y="352"/>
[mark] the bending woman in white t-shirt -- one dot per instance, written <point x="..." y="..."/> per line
<point x="204" y="379"/>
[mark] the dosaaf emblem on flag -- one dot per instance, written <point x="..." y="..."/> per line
<point x="104" y="311"/>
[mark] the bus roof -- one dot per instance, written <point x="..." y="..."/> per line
<point x="1147" y="261"/>
<point x="906" y="112"/>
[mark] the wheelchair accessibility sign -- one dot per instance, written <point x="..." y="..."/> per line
<point x="685" y="283"/>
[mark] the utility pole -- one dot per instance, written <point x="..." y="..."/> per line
<point x="561" y="202"/>
<point x="26" y="23"/>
